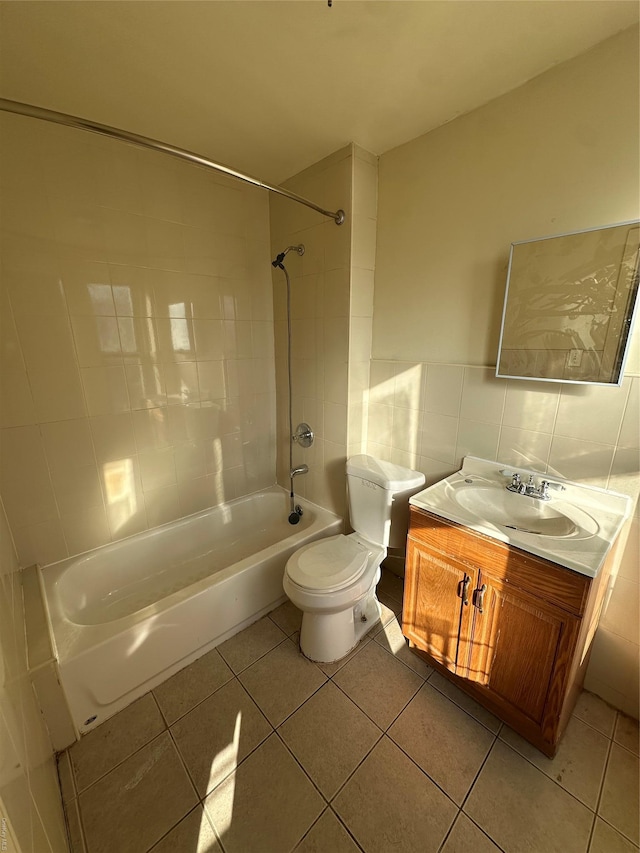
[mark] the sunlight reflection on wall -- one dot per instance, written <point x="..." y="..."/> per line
<point x="119" y="486"/>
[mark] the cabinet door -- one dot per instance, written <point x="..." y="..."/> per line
<point x="521" y="646"/>
<point x="435" y="617"/>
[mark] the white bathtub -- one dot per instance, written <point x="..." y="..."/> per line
<point x="126" y="616"/>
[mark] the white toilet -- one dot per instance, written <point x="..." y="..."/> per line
<point x="333" y="581"/>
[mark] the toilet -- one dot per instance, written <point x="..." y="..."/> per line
<point x="333" y="580"/>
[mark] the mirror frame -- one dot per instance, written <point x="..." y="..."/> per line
<point x="627" y="323"/>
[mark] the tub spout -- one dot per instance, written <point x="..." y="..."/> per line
<point x="300" y="469"/>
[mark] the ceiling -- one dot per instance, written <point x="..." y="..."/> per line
<point x="270" y="87"/>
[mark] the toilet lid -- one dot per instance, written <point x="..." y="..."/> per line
<point x="328" y="564"/>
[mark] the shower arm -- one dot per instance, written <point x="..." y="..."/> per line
<point x="32" y="111"/>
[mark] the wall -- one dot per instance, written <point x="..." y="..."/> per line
<point x="320" y="302"/>
<point x="332" y="311"/>
<point x="363" y="262"/>
<point x="558" y="154"/>
<point x="29" y="796"/>
<point x="136" y="366"/>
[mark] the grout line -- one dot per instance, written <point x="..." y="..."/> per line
<point x="295" y="711"/>
<point x="604" y="777"/>
<point x="449" y="831"/>
<point x="289" y="633"/>
<point x="458" y="705"/>
<point x="594" y="727"/>
<point x="184" y="766"/>
<point x="157" y="705"/>
<point x="592" y="830"/>
<point x="197" y="704"/>
<point x="546" y="775"/>
<point x="625" y="749"/>
<point x="385" y="729"/>
<point x="119" y="763"/>
<point x="295" y="758"/>
<point x="361" y="711"/>
<point x="616" y="444"/>
<point x="155" y="843"/>
<point x="422" y="770"/>
<point x="356" y="768"/>
<point x="500" y="424"/>
<point x="201" y="800"/>
<point x="390" y="652"/>
<point x="262" y="714"/>
<point x="486" y="834"/>
<point x="307" y="831"/>
<point x="83" y="834"/>
<point x="615" y="828"/>
<point x="260" y="657"/>
<point x="346" y="828"/>
<point x="477" y="776"/>
<point x="64" y="756"/>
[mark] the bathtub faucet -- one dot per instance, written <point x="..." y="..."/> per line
<point x="300" y="469"/>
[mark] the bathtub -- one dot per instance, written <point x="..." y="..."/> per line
<point x="126" y="616"/>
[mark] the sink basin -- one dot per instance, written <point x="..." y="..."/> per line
<point x="575" y="528"/>
<point x="522" y="513"/>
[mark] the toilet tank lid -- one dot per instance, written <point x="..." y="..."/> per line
<point x="392" y="477"/>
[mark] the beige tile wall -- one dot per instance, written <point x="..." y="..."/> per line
<point x="363" y="261"/>
<point x="137" y="362"/>
<point x="429" y="416"/>
<point x="29" y="795"/>
<point x="320" y="305"/>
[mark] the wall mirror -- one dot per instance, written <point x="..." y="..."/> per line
<point x="569" y="306"/>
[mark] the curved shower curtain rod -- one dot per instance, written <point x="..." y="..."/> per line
<point x="32" y="111"/>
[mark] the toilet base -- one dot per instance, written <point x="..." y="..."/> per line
<point x="328" y="637"/>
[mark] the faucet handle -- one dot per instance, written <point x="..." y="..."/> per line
<point x="516" y="484"/>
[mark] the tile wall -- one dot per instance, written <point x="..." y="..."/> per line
<point x="332" y="312"/>
<point x="320" y="304"/>
<point x="429" y="416"/>
<point x="363" y="261"/>
<point x="29" y="796"/>
<point x="136" y="366"/>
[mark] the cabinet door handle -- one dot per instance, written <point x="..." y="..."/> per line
<point x="478" y="597"/>
<point x="463" y="590"/>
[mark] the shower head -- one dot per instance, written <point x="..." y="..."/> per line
<point x="280" y="258"/>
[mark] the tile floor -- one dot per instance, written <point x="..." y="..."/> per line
<point x="254" y="749"/>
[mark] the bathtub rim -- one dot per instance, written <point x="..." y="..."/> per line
<point x="70" y="639"/>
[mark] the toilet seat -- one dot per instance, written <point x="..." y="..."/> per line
<point x="328" y="565"/>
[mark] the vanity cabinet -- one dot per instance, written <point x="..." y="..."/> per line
<point x="511" y="629"/>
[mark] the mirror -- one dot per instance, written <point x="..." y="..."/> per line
<point x="569" y="306"/>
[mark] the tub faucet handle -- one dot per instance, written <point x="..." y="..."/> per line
<point x="303" y="435"/>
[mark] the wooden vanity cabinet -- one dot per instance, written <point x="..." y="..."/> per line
<point x="509" y="628"/>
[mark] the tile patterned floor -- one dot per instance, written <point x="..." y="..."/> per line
<point x="254" y="749"/>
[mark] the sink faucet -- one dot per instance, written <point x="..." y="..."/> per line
<point x="529" y="488"/>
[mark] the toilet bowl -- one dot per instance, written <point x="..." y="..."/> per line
<point x="333" y="580"/>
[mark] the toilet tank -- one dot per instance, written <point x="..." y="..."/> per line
<point x="379" y="495"/>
